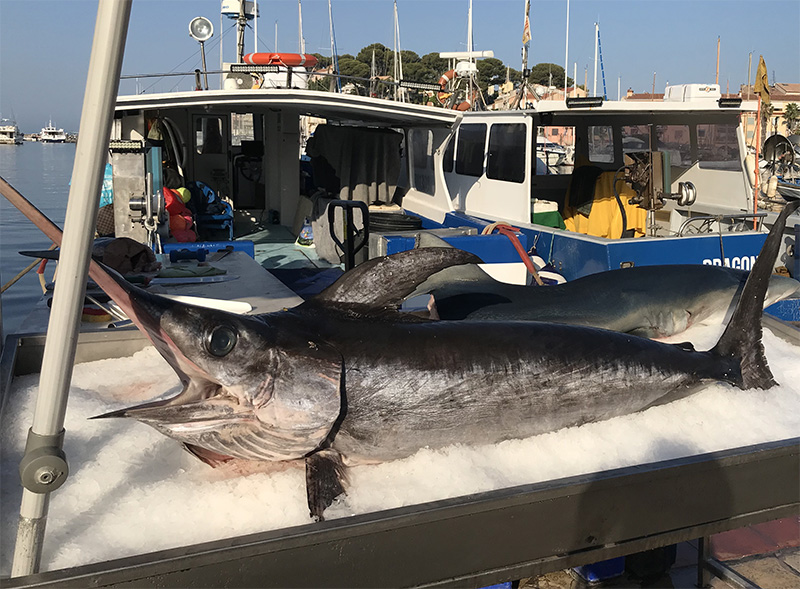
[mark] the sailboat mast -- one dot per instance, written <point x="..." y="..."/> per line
<point x="300" y="27"/>
<point x="469" y="48"/>
<point x="596" y="41"/>
<point x="399" y="94"/>
<point x="566" y="54"/>
<point x="526" y="36"/>
<point x="334" y="61"/>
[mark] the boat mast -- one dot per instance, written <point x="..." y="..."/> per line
<point x="241" y="23"/>
<point x="399" y="94"/>
<point x="469" y="50"/>
<point x="334" y="60"/>
<point x="300" y="27"/>
<point x="44" y="468"/>
<point x="566" y="54"/>
<point x="596" y="41"/>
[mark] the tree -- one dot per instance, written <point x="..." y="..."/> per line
<point x="541" y="72"/>
<point x="383" y="58"/>
<point x="791" y="114"/>
<point x="350" y="66"/>
<point x="490" y="71"/>
<point x="435" y="64"/>
<point x="322" y="61"/>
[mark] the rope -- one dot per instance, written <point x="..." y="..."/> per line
<point x="510" y="233"/>
<point x="22" y="273"/>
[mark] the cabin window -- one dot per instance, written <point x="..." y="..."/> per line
<point x="555" y="146"/>
<point x="718" y="147"/>
<point x="241" y="128"/>
<point x="675" y="140"/>
<point x="471" y="149"/>
<point x="449" y="152"/>
<point x="635" y="138"/>
<point x="601" y="144"/>
<point x="506" y="160"/>
<point x="208" y="135"/>
<point x="422" y="159"/>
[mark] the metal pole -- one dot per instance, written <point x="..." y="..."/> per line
<point x="47" y="430"/>
<point x="596" y="41"/>
<point x="566" y="54"/>
<point x="205" y="69"/>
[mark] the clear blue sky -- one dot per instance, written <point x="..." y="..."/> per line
<point x="45" y="44"/>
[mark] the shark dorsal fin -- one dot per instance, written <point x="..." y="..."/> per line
<point x="385" y="281"/>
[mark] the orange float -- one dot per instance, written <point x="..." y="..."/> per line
<point x="284" y="59"/>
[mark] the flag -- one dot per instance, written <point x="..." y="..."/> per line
<point x="526" y="30"/>
<point x="762" y="84"/>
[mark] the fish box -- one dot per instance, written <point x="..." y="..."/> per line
<point x="241" y="245"/>
<point x="601" y="571"/>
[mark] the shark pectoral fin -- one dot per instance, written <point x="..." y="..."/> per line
<point x="325" y="480"/>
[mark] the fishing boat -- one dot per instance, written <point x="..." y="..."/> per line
<point x="52" y="134"/>
<point x="9" y="133"/>
<point x="456" y="174"/>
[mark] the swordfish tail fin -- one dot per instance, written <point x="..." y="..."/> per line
<point x="742" y="337"/>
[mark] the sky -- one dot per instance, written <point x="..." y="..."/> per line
<point x="45" y="44"/>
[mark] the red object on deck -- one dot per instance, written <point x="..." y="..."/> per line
<point x="286" y="59"/>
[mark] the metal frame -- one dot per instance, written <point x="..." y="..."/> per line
<point x="467" y="541"/>
<point x="481" y="539"/>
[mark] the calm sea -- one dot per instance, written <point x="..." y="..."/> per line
<point x="41" y="172"/>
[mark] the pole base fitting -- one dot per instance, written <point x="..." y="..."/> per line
<point x="44" y="467"/>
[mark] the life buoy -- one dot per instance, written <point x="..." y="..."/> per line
<point x="445" y="79"/>
<point x="285" y="59"/>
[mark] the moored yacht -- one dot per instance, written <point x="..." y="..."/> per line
<point x="51" y="134"/>
<point x="9" y="133"/>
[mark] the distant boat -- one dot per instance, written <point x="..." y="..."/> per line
<point x="9" y="133"/>
<point x="50" y="134"/>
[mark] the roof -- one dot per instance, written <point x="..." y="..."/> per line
<point x="329" y="105"/>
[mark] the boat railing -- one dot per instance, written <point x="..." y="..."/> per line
<point x="362" y="86"/>
<point x="706" y="222"/>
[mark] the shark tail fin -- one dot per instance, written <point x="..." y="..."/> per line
<point x="385" y="281"/>
<point x="742" y="336"/>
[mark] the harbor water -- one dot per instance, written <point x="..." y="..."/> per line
<point x="41" y="172"/>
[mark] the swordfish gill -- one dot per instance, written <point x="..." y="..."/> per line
<point x="345" y="379"/>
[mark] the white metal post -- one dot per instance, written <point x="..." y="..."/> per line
<point x="102" y="84"/>
<point x="566" y="53"/>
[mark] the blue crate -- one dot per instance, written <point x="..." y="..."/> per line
<point x="602" y="571"/>
<point x="239" y="245"/>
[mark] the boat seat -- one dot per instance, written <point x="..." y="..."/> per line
<point x="213" y="213"/>
<point x="600" y="214"/>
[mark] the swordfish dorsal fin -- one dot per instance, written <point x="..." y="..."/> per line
<point x="385" y="281"/>
<point x="742" y="337"/>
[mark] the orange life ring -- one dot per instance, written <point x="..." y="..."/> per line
<point x="285" y="59"/>
<point x="445" y="78"/>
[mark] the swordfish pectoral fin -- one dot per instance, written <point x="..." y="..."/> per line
<point x="326" y="478"/>
<point x="385" y="281"/>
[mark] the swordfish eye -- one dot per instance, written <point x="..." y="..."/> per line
<point x="221" y="340"/>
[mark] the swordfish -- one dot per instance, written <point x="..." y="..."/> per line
<point x="650" y="301"/>
<point x="344" y="378"/>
